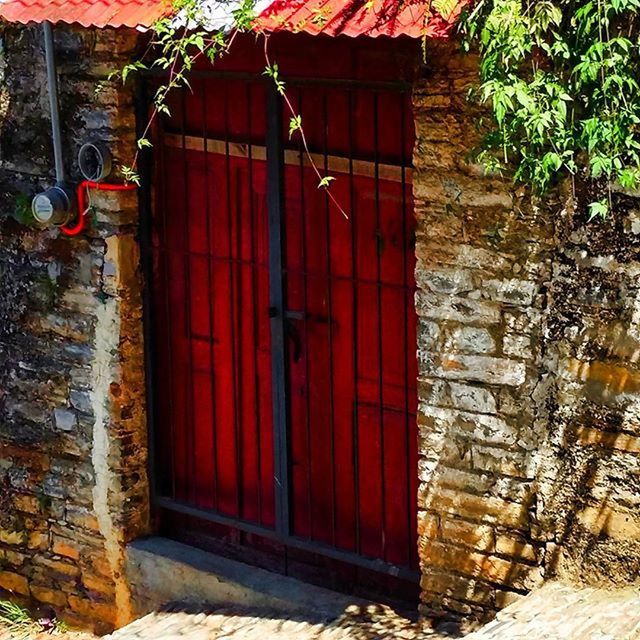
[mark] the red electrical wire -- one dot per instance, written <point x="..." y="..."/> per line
<point x="83" y="211"/>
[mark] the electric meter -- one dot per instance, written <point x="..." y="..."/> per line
<point x="52" y="207"/>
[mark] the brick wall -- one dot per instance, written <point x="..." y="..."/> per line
<point x="72" y="430"/>
<point x="527" y="353"/>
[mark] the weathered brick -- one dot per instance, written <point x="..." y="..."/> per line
<point x="48" y="595"/>
<point x="66" y="548"/>
<point x="458" y="309"/>
<point x="512" y="291"/>
<point x="14" y="582"/>
<point x="472" y="340"/>
<point x="494" y="371"/>
<point x="472" y="398"/>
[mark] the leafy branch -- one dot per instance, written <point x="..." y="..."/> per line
<point x="561" y="79"/>
<point x="177" y="45"/>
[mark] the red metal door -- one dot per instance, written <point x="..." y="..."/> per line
<point x="351" y="319"/>
<point x="318" y="454"/>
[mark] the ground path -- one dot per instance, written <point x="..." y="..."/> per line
<point x="554" y="612"/>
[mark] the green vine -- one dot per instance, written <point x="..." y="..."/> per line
<point x="559" y="76"/>
<point x="178" y="42"/>
<point x="561" y="79"/>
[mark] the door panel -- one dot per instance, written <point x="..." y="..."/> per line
<point x="349" y="321"/>
<point x="212" y="267"/>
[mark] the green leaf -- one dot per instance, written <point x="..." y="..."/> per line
<point x="598" y="209"/>
<point x="295" y="124"/>
<point x="325" y="182"/>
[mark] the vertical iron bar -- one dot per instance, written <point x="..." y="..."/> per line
<point x="275" y="200"/>
<point x="254" y="297"/>
<point x="332" y="434"/>
<point x="232" y="309"/>
<point x="305" y="308"/>
<point x="354" y="274"/>
<point x="405" y="291"/>
<point x="148" y="312"/>
<point x="376" y="153"/>
<point x="165" y="256"/>
<point x="189" y="432"/>
<point x="212" y="297"/>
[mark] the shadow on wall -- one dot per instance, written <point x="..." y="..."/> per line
<point x="589" y="484"/>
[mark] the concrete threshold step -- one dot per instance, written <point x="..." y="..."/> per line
<point x="214" y="597"/>
<point x="162" y="571"/>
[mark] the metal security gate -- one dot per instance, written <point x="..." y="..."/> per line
<point x="284" y="332"/>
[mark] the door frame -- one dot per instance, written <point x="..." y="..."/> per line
<point x="275" y="162"/>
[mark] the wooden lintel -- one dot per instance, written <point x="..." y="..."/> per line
<point x="334" y="164"/>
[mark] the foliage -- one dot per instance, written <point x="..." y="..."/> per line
<point x="561" y="78"/>
<point x="176" y="46"/>
<point x="22" y="210"/>
<point x="19" y="622"/>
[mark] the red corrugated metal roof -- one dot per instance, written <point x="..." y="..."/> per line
<point x="413" y="18"/>
<point x="98" y="13"/>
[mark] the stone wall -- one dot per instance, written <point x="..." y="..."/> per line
<point x="529" y="336"/>
<point x="72" y="424"/>
<point x="527" y="353"/>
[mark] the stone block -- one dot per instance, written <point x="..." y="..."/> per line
<point x="486" y="369"/>
<point x="14" y="583"/>
<point x="26" y="503"/>
<point x="467" y="310"/>
<point x="511" y="291"/>
<point x="525" y="322"/>
<point x="81" y="400"/>
<point x="458" y="587"/>
<point x="480" y="509"/>
<point x="93" y="609"/>
<point x="98" y="585"/>
<point x="450" y="281"/>
<point x="478" y="565"/>
<point x="48" y="595"/>
<point x="428" y="332"/>
<point x="517" y="346"/>
<point x="471" y="398"/>
<point x="509" y="546"/>
<point x="62" y="568"/>
<point x="472" y="340"/>
<point x="66" y="548"/>
<point x="463" y="424"/>
<point x="64" y="419"/>
<point x="82" y="517"/>
<point x="8" y="536"/>
<point x="38" y="540"/>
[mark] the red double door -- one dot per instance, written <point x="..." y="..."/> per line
<point x="284" y="319"/>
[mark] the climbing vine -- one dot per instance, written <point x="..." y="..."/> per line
<point x="189" y="34"/>
<point x="561" y="79"/>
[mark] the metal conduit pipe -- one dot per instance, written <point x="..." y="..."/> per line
<point x="53" y="206"/>
<point x="52" y="81"/>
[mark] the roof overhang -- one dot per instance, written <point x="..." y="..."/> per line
<point x="412" y="18"/>
<point x="88" y="13"/>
